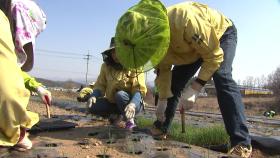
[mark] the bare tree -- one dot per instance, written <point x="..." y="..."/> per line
<point x="239" y="82"/>
<point x="249" y="81"/>
<point x="273" y="81"/>
<point x="260" y="82"/>
<point x="263" y="81"/>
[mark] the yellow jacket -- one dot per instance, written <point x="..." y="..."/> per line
<point x="30" y="82"/>
<point x="111" y="80"/>
<point x="195" y="33"/>
<point x="14" y="96"/>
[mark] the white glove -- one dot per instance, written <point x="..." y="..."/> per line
<point x="130" y="111"/>
<point x="190" y="95"/>
<point x="90" y="102"/>
<point x="191" y="92"/>
<point x="45" y="95"/>
<point x="160" y="111"/>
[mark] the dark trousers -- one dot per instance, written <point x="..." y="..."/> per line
<point x="156" y="99"/>
<point x="228" y="94"/>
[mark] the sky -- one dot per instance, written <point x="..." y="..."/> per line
<point x="77" y="28"/>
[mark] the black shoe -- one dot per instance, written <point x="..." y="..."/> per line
<point x="157" y="124"/>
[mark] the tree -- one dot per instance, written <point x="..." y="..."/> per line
<point x="273" y="82"/>
<point x="263" y="81"/>
<point x="249" y="81"/>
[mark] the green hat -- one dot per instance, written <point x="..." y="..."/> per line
<point x="143" y="35"/>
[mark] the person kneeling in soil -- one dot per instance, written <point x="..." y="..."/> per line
<point x="117" y="91"/>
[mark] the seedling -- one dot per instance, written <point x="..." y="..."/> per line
<point x="104" y="153"/>
<point x="110" y="137"/>
<point x="130" y="146"/>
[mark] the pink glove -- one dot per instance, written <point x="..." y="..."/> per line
<point x="45" y="95"/>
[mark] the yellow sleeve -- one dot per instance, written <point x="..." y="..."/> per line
<point x="101" y="81"/>
<point x="203" y="38"/>
<point x="163" y="81"/>
<point x="30" y="82"/>
<point x="140" y="85"/>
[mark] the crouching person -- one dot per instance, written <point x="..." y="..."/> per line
<point x="85" y="92"/>
<point x="117" y="91"/>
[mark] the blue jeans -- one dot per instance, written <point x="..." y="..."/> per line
<point x="228" y="94"/>
<point x="104" y="108"/>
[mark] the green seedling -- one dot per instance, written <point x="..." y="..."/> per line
<point x="105" y="150"/>
<point x="130" y="146"/>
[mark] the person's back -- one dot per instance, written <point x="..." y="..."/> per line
<point x="195" y="32"/>
<point x="201" y="40"/>
<point x="197" y="13"/>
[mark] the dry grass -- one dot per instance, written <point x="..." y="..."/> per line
<point x="253" y="105"/>
<point x="64" y="95"/>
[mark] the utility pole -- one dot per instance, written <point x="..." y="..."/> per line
<point x="88" y="56"/>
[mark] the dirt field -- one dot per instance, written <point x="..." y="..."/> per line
<point x="93" y="137"/>
<point x="80" y="142"/>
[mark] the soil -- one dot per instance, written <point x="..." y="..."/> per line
<point x="90" y="139"/>
<point x="94" y="137"/>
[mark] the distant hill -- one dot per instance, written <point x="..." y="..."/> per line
<point x="64" y="84"/>
<point x="69" y="84"/>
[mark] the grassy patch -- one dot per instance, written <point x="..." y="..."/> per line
<point x="206" y="136"/>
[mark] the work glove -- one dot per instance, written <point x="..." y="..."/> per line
<point x="160" y="111"/>
<point x="45" y="95"/>
<point x="84" y="94"/>
<point x="130" y="111"/>
<point x="91" y="101"/>
<point x="190" y="94"/>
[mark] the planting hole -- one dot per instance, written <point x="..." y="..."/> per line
<point x="84" y="142"/>
<point x="186" y="147"/>
<point x="103" y="156"/>
<point x="157" y="138"/>
<point x="93" y="134"/>
<point x="136" y="139"/>
<point x="51" y="145"/>
<point x="111" y="142"/>
<point x="136" y="153"/>
<point x="162" y="149"/>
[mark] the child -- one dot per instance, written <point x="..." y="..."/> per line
<point x="14" y="97"/>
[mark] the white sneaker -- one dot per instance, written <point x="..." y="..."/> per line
<point x="24" y="144"/>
